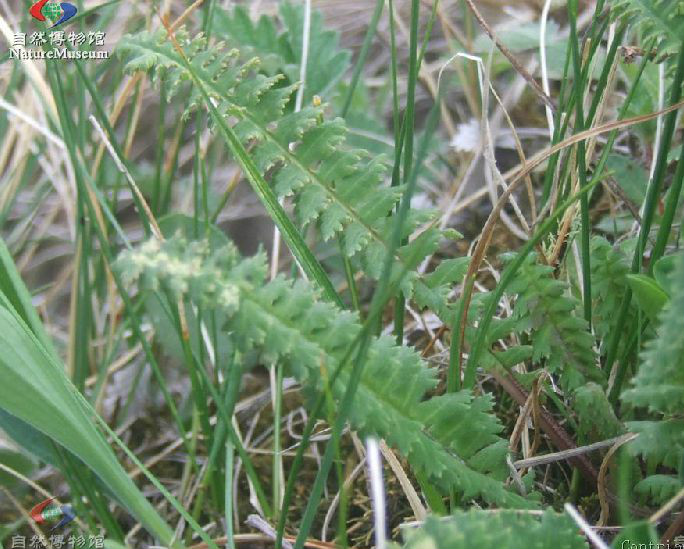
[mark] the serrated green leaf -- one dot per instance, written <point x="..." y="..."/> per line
<point x="498" y="529"/>
<point x="660" y="488"/>
<point x="609" y="270"/>
<point x="597" y="419"/>
<point x="284" y="321"/>
<point x="559" y="336"/>
<point x="659" y="383"/>
<point x="660" y="21"/>
<point x="341" y="189"/>
<point x="276" y="40"/>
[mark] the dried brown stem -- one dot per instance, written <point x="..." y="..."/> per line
<point x="559" y="437"/>
<point x="507" y="53"/>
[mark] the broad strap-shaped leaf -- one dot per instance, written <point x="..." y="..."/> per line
<point x="36" y="390"/>
<point x="18" y="295"/>
<point x="14" y="289"/>
<point x="453" y="439"/>
<point x="303" y="155"/>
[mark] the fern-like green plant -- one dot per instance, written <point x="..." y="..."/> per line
<point x="343" y="190"/>
<point x="500" y="529"/>
<point x="659" y="387"/>
<point x="280" y="49"/>
<point x="545" y="309"/>
<point x="597" y="419"/>
<point x="659" y="21"/>
<point x="452" y="439"/>
<point x="659" y="488"/>
<point x="276" y="40"/>
<point x="609" y="270"/>
<point x="659" y="383"/>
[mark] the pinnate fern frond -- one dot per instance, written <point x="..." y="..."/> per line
<point x="279" y="45"/>
<point x="500" y="529"/>
<point x="660" y="488"/>
<point x="545" y="308"/>
<point x="597" y="419"/>
<point x="453" y="439"/>
<point x="304" y="156"/>
<point x="659" y="383"/>
<point x="660" y="441"/>
<point x="609" y="270"/>
<point x="660" y="21"/>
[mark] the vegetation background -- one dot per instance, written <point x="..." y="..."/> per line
<point x="344" y="274"/>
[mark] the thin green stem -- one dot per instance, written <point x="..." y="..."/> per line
<point x="161" y="138"/>
<point x="673" y="195"/>
<point x="277" y="443"/>
<point x="363" y="56"/>
<point x="581" y="161"/>
<point x="82" y="180"/>
<point x="377" y="304"/>
<point x="649" y="210"/>
<point x="409" y="124"/>
<point x="361" y="62"/>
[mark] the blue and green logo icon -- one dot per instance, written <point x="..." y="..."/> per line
<point x="57" y="13"/>
<point x="50" y="510"/>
